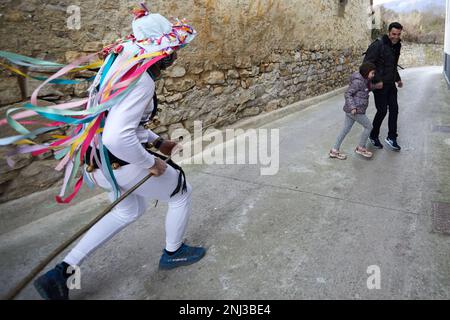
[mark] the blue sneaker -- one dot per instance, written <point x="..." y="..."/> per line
<point x="53" y="284"/>
<point x="183" y="257"/>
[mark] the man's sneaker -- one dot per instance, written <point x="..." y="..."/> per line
<point x="376" y="143"/>
<point x="393" y="144"/>
<point x="53" y="284"/>
<point x="183" y="257"/>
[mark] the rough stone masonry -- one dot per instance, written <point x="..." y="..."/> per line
<point x="250" y="57"/>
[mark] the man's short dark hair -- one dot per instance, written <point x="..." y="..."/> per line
<point x="395" y="25"/>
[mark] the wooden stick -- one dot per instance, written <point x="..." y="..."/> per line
<point x="17" y="289"/>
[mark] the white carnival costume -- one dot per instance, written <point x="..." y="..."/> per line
<point x="109" y="138"/>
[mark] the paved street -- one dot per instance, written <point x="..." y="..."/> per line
<point x="309" y="232"/>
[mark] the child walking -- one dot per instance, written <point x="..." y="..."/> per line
<point x="356" y="104"/>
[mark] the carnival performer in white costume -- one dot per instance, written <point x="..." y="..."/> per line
<point x="125" y="139"/>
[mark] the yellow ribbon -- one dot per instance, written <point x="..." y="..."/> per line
<point x="14" y="70"/>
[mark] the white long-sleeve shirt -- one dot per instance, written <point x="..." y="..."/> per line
<point x="123" y="135"/>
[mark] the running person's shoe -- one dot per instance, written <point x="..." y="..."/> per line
<point x="336" y="154"/>
<point x="182" y="257"/>
<point x="364" y="152"/>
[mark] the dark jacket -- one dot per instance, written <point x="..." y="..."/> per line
<point x="385" y="56"/>
<point x="357" y="94"/>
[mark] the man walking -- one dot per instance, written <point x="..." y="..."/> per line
<point x="385" y="53"/>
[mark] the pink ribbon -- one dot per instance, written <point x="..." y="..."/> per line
<point x="27" y="114"/>
<point x="60" y="73"/>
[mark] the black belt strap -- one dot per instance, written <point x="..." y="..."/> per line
<point x="154" y="111"/>
<point x="181" y="186"/>
<point x="112" y="158"/>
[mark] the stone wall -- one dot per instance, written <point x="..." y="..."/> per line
<point x="250" y="56"/>
<point x="418" y="55"/>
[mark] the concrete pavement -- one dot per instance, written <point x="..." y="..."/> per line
<point x="309" y="232"/>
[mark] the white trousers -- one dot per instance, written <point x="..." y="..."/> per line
<point x="134" y="206"/>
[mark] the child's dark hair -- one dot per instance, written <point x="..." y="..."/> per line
<point x="366" y="68"/>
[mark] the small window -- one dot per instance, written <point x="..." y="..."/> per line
<point x="341" y="8"/>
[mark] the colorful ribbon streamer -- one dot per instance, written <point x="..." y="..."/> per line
<point x="82" y="120"/>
